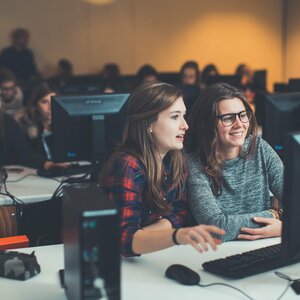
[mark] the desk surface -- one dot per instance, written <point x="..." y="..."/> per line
<point x="143" y="277"/>
<point x="30" y="189"/>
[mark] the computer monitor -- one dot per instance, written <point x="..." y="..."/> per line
<point x="294" y="85"/>
<point x="87" y="127"/>
<point x="260" y="80"/>
<point x="291" y="199"/>
<point x="281" y="116"/>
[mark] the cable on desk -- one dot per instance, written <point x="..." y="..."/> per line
<point x="20" y="179"/>
<point x="290" y="282"/>
<point x="228" y="285"/>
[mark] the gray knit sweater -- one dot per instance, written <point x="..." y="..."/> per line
<point x="245" y="190"/>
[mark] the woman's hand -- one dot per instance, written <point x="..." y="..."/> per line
<point x="272" y="227"/>
<point x="50" y="164"/>
<point x="199" y="236"/>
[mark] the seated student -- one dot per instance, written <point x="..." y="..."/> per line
<point x="145" y="176"/>
<point x="231" y="170"/>
<point x="145" y="73"/>
<point x="190" y="73"/>
<point x="190" y="83"/>
<point x="112" y="80"/>
<point x="209" y="72"/>
<point x="35" y="120"/>
<point x="63" y="74"/>
<point x="14" y="149"/>
<point x="12" y="96"/>
<point x="246" y="83"/>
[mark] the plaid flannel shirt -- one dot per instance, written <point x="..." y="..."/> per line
<point x="125" y="182"/>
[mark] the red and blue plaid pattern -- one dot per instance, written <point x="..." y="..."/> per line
<point x="125" y="183"/>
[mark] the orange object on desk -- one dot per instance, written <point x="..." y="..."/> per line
<point x="12" y="242"/>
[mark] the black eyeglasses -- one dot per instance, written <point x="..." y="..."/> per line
<point x="229" y="119"/>
<point x="9" y="88"/>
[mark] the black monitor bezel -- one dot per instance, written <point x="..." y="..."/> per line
<point x="291" y="199"/>
<point x="91" y="111"/>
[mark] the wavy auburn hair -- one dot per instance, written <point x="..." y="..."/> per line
<point x="202" y="137"/>
<point x="144" y="106"/>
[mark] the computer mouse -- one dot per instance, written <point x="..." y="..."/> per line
<point x="183" y="275"/>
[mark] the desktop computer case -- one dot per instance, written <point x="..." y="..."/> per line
<point x="91" y="244"/>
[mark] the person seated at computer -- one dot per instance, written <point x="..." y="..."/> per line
<point x="146" y="73"/>
<point x="209" y="72"/>
<point x="190" y="73"/>
<point x="15" y="149"/>
<point x="18" y="58"/>
<point x="11" y="93"/>
<point x="145" y="177"/>
<point x="35" y="121"/>
<point x="190" y="83"/>
<point x="112" y="81"/>
<point x="231" y="170"/>
<point x="245" y="74"/>
<point x="64" y="73"/>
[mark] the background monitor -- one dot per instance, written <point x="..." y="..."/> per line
<point x="294" y="85"/>
<point x="260" y="80"/>
<point x="281" y="116"/>
<point x="291" y="199"/>
<point x="87" y="127"/>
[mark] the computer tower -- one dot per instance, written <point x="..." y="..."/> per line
<point x="91" y="244"/>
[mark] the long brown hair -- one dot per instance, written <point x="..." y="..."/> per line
<point x="202" y="137"/>
<point x="144" y="106"/>
<point x="39" y="92"/>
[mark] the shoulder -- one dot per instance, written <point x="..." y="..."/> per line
<point x="128" y="160"/>
<point x="193" y="163"/>
<point x="122" y="164"/>
<point x="264" y="148"/>
<point x="8" y="121"/>
<point x="192" y="158"/>
<point x="6" y="50"/>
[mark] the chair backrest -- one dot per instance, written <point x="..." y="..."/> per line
<point x="8" y="221"/>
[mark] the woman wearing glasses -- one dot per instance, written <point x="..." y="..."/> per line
<point x="231" y="170"/>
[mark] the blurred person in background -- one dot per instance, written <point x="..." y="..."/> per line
<point x="12" y="96"/>
<point x="18" y="58"/>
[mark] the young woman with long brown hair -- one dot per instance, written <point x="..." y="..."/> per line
<point x="231" y="170"/>
<point x="146" y="175"/>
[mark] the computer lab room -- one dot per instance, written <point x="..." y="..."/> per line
<point x="149" y="149"/>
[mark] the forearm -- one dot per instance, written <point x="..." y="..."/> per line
<point x="145" y="241"/>
<point x="161" y="224"/>
<point x="230" y="223"/>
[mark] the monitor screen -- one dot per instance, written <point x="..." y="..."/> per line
<point x="87" y="127"/>
<point x="281" y="116"/>
<point x="291" y="199"/>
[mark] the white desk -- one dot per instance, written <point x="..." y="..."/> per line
<point x="143" y="277"/>
<point x="30" y="189"/>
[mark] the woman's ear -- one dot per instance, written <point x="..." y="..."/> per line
<point x="150" y="129"/>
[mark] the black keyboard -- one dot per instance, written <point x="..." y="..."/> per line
<point x="73" y="169"/>
<point x="247" y="263"/>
